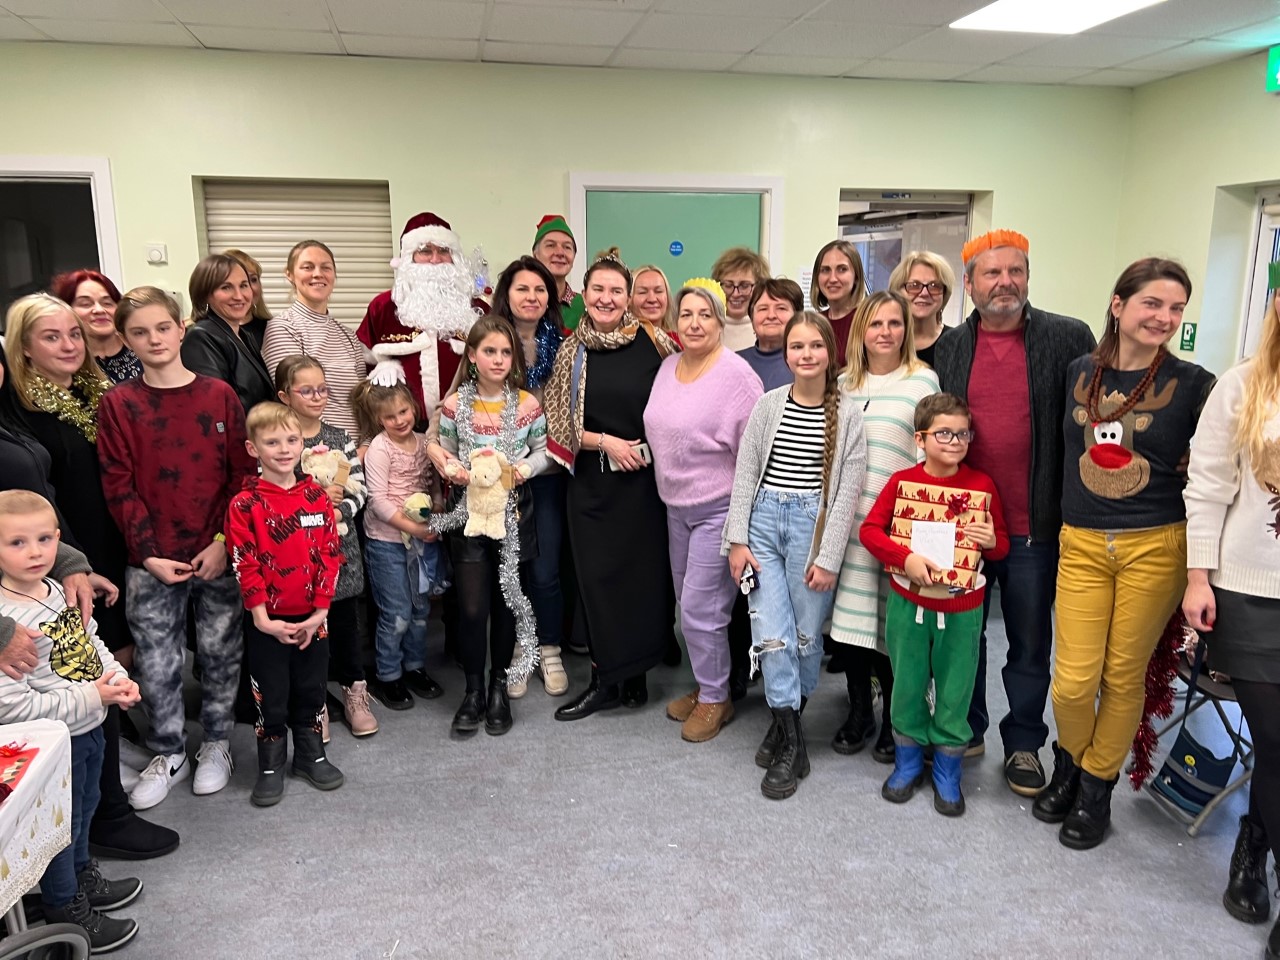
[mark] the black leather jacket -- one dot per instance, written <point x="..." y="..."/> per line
<point x="213" y="349"/>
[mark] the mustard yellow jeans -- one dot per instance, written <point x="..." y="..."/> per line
<point x="1116" y="592"/>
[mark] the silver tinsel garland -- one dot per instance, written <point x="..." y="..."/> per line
<point x="509" y="563"/>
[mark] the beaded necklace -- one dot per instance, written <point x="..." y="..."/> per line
<point x="1094" y="392"/>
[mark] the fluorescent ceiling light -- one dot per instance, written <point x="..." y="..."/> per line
<point x="1048" y="16"/>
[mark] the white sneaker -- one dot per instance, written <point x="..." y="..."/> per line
<point x="129" y="777"/>
<point x="161" y="774"/>
<point x="213" y="767"/>
<point x="134" y="756"/>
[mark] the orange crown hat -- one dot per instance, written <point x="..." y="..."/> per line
<point x="989" y="241"/>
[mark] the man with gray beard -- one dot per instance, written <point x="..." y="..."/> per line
<point x="417" y="329"/>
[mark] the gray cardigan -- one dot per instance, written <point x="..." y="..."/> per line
<point x="848" y="470"/>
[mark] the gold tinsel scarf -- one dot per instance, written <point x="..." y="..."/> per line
<point x="49" y="397"/>
<point x="566" y="390"/>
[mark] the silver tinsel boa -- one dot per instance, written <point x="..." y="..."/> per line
<point x="526" y="658"/>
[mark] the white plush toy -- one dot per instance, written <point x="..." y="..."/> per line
<point x="329" y="467"/>
<point x="417" y="507"/>
<point x="486" y="496"/>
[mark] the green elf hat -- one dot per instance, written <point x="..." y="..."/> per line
<point x="553" y="223"/>
<point x="1273" y="276"/>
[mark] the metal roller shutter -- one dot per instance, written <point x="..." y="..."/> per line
<point x="265" y="218"/>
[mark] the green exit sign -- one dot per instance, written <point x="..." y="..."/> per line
<point x="1273" y="70"/>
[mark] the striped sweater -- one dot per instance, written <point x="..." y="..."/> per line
<point x="889" y="420"/>
<point x="299" y="329"/>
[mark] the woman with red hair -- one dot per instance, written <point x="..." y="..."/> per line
<point x="93" y="298"/>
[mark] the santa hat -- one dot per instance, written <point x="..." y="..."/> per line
<point x="423" y="229"/>
<point x="553" y="223"/>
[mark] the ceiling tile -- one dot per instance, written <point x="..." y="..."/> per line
<point x="919" y="12"/>
<point x="415" y="48"/>
<point x="1189" y="56"/>
<point x="1189" y="19"/>
<point x="273" y="15"/>
<point x="1091" y="50"/>
<point x="966" y="46"/>
<point x="496" y="51"/>
<point x="146" y="11"/>
<point x="284" y="41"/>
<point x="789" y="9"/>
<point x="910" y="70"/>
<point x="556" y="25"/>
<point x="437" y="19"/>
<point x="672" y="31"/>
<point x="999" y="73"/>
<point x="1120" y="78"/>
<point x="103" y="31"/>
<point x="633" y="6"/>
<point x="11" y="28"/>
<point x="852" y="41"/>
<point x="796" y="66"/>
<point x="674" y="59"/>
<point x="1261" y="34"/>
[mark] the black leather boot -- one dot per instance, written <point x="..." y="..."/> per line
<point x="772" y="737"/>
<point x="882" y="752"/>
<point x="635" y="692"/>
<point x="1246" y="894"/>
<point x="861" y="722"/>
<point x="472" y="711"/>
<point x="1055" y="801"/>
<point x="595" y="697"/>
<point x="497" y="718"/>
<point x="310" y="762"/>
<point x="790" y="761"/>
<point x="1086" y="824"/>
<point x="269" y="788"/>
<point x="1273" y="943"/>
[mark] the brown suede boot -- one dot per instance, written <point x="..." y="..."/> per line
<point x="706" y="720"/>
<point x="680" y="708"/>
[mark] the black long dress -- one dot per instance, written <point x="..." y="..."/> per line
<point x="77" y="484"/>
<point x="618" y="523"/>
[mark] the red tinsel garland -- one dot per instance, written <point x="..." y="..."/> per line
<point x="1162" y="668"/>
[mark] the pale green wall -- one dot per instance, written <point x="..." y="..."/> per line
<point x="489" y="147"/>
<point x="1198" y="146"/>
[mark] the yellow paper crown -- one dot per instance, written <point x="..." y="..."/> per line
<point x="711" y="286"/>
<point x="989" y="241"/>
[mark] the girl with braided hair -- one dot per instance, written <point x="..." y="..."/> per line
<point x="801" y="466"/>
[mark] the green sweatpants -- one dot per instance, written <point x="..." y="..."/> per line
<point x="948" y="654"/>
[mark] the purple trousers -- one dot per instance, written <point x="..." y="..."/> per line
<point x="705" y="592"/>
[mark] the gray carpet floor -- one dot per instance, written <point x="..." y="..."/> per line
<point x="611" y="837"/>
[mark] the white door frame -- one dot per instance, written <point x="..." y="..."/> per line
<point x="769" y="188"/>
<point x="97" y="170"/>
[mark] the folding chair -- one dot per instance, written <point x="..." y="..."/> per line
<point x="1215" y="693"/>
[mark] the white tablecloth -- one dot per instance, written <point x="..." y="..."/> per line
<point x="35" y="820"/>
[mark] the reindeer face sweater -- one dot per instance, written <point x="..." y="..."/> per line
<point x="284" y="546"/>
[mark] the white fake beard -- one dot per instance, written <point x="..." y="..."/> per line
<point x="434" y="298"/>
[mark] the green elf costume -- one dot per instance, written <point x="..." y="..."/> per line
<point x="571" y="305"/>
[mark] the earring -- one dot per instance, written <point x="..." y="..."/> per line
<point x="472" y="372"/>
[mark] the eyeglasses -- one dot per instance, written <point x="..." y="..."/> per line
<point x="310" y="393"/>
<point x="915" y="286"/>
<point x="947" y="436"/>
<point x="745" y="286"/>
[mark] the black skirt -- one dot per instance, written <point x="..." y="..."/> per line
<point x="1244" y="642"/>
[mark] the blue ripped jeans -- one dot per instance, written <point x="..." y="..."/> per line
<point x="400" y="640"/>
<point x="786" y="616"/>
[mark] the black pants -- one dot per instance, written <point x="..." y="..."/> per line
<point x="1260" y="704"/>
<point x="481" y="608"/>
<point x="860" y="664"/>
<point x="288" y="683"/>
<point x="345" y="664"/>
<point x="114" y="802"/>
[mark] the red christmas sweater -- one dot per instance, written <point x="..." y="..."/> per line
<point x="284" y="546"/>
<point x="914" y="494"/>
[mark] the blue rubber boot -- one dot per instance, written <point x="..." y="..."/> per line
<point x="908" y="770"/>
<point x="947" y="798"/>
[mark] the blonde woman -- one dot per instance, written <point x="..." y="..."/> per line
<point x="886" y="380"/>
<point x="651" y="298"/>
<point x="927" y="281"/>
<point x="838" y="287"/>
<point x="1233" y="585"/>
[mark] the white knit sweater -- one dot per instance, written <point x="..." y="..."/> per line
<point x="1233" y="519"/>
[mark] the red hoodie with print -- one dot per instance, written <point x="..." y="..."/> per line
<point x="284" y="546"/>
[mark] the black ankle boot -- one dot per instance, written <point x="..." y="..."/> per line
<point x="1273" y="943"/>
<point x="861" y="722"/>
<point x="497" y="718"/>
<point x="790" y="761"/>
<point x="472" y="711"/>
<point x="882" y="752"/>
<point x="1086" y="824"/>
<point x="1246" y="896"/>
<point x="1055" y="801"/>
<point x="772" y="737"/>
<point x="635" y="692"/>
<point x="595" y="697"/>
<point x="310" y="762"/>
<point x="270" y="785"/>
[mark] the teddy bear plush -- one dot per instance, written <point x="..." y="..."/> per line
<point x="417" y="507"/>
<point x="329" y="467"/>
<point x="492" y="477"/>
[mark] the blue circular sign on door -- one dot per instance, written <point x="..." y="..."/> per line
<point x="676" y="248"/>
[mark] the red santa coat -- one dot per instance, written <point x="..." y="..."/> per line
<point x="381" y="324"/>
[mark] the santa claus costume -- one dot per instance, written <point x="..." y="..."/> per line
<point x="425" y="316"/>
